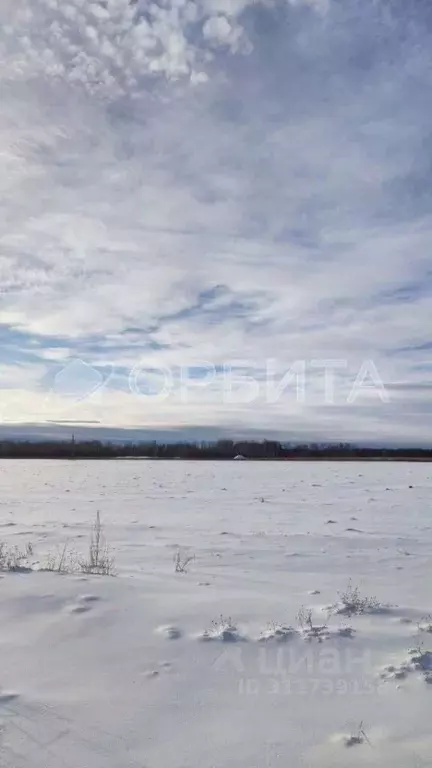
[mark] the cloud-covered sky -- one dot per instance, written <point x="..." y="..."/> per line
<point x="202" y="197"/>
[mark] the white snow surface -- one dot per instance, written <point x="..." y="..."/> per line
<point x="210" y="668"/>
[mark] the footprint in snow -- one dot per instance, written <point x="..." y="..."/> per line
<point x="83" y="604"/>
<point x="89" y="599"/>
<point x="170" y="632"/>
<point x="79" y="609"/>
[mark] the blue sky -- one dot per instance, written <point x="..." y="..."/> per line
<point x="197" y="193"/>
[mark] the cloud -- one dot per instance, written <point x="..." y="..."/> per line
<point x="109" y="46"/>
<point x="219" y="31"/>
<point x="223" y="182"/>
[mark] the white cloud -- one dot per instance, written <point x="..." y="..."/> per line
<point x="218" y="30"/>
<point x="108" y="48"/>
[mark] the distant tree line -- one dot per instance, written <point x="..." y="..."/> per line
<point x="218" y="450"/>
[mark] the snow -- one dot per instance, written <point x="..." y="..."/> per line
<point x="237" y="661"/>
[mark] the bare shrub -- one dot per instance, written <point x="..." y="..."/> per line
<point x="278" y="632"/>
<point x="181" y="562"/>
<point x="222" y="623"/>
<point x="357" y="737"/>
<point x="224" y="630"/>
<point x="310" y="630"/>
<point x="62" y="561"/>
<point x="352" y="603"/>
<point x="14" y="558"/>
<point x="99" y="559"/>
<point x="304" y="618"/>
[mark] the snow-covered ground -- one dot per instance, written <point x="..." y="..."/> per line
<point x="140" y="669"/>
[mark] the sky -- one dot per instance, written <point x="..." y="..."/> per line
<point x="216" y="217"/>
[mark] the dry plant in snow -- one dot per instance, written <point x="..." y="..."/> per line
<point x="310" y="630"/>
<point x="181" y="562"/>
<point x="352" y="603"/>
<point x="63" y="561"/>
<point x="99" y="559"/>
<point x="14" y="558"/>
<point x="358" y="737"/>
